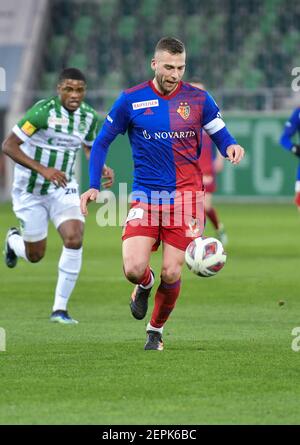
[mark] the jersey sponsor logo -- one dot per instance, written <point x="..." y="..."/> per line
<point x="28" y="128"/>
<point x="169" y="134"/>
<point x="58" y="120"/>
<point x="145" y="104"/>
<point x="63" y="142"/>
<point x="184" y="110"/>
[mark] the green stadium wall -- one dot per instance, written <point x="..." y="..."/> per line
<point x="266" y="173"/>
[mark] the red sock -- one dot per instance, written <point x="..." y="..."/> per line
<point x="212" y="215"/>
<point x="145" y="280"/>
<point x="165" y="300"/>
<point x="146" y="277"/>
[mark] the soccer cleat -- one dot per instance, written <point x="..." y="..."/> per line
<point x="221" y="235"/>
<point x="139" y="301"/>
<point x="154" y="341"/>
<point x="62" y="317"/>
<point x="10" y="257"/>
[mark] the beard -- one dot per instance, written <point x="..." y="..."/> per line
<point x="166" y="86"/>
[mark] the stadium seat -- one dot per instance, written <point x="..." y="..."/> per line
<point x="112" y="82"/>
<point x="243" y="44"/>
<point x="291" y="42"/>
<point x="127" y="28"/>
<point x="171" y="25"/>
<point x="149" y="10"/>
<point x="58" y="46"/>
<point x="79" y="61"/>
<point x="49" y="81"/>
<point x="107" y="10"/>
<point x="82" y="29"/>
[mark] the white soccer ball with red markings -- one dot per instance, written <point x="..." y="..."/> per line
<point x="205" y="256"/>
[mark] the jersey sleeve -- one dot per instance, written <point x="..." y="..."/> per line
<point x="116" y="122"/>
<point x="34" y="119"/>
<point x="214" y="125"/>
<point x="290" y="128"/>
<point x="93" y="131"/>
<point x="118" y="119"/>
<point x="211" y="115"/>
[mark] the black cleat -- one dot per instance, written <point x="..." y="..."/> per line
<point x="139" y="301"/>
<point x="10" y="257"/>
<point x="154" y="341"/>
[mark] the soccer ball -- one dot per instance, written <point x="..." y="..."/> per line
<point x="205" y="256"/>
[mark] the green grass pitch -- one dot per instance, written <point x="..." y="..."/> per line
<point x="227" y="358"/>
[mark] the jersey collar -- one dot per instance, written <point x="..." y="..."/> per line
<point x="167" y="97"/>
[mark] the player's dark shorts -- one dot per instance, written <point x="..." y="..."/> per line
<point x="175" y="224"/>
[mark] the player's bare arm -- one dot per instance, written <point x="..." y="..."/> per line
<point x="218" y="163"/>
<point x="11" y="147"/>
<point x="235" y="153"/>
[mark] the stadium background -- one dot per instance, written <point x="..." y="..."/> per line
<point x="234" y="364"/>
<point x="243" y="50"/>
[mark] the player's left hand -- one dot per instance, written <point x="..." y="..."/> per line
<point x="235" y="153"/>
<point x="109" y="177"/>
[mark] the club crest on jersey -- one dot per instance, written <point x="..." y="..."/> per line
<point x="184" y="110"/>
<point x="82" y="127"/>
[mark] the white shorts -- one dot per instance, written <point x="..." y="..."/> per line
<point x="35" y="211"/>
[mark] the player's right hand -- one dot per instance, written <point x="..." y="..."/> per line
<point x="56" y="176"/>
<point x="86" y="198"/>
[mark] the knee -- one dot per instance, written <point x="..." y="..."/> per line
<point x="170" y="274"/>
<point x="73" y="241"/>
<point x="134" y="272"/>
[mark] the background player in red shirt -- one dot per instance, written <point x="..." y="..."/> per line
<point x="211" y="162"/>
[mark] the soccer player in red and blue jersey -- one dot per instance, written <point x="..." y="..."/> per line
<point x="292" y="126"/>
<point x="163" y="118"/>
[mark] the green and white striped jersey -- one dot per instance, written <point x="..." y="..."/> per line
<point x="52" y="136"/>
